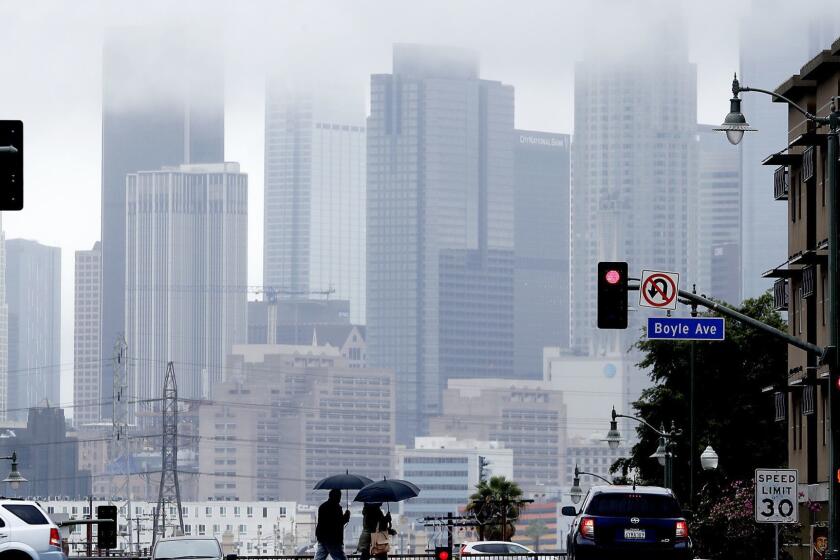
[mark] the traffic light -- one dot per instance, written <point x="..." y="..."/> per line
<point x="612" y="295"/>
<point x="443" y="553"/>
<point x="11" y="165"/>
<point x="106" y="533"/>
<point x="483" y="468"/>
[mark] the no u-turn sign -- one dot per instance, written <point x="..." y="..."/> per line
<point x="659" y="289"/>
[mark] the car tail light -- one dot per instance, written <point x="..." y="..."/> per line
<point x="464" y="551"/>
<point x="587" y="528"/>
<point x="682" y="529"/>
<point x="55" y="538"/>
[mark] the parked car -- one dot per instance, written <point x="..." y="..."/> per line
<point x="628" y="522"/>
<point x="183" y="548"/>
<point x="27" y="532"/>
<point x="484" y="548"/>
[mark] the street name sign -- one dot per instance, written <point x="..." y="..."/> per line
<point x="776" y="496"/>
<point x="659" y="289"/>
<point x="686" y="328"/>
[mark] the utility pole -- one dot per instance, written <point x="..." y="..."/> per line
<point x="121" y="485"/>
<point x="169" y="490"/>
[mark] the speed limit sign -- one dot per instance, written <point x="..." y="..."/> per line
<point x="776" y="496"/>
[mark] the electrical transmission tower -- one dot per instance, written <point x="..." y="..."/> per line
<point x="121" y="484"/>
<point x="169" y="491"/>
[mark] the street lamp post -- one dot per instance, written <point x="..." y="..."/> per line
<point x="664" y="453"/>
<point x="14" y="479"/>
<point x="735" y="125"/>
<point x="576" y="492"/>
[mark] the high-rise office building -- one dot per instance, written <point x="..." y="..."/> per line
<point x="765" y="62"/>
<point x="718" y="217"/>
<point x="541" y="286"/>
<point x="4" y="327"/>
<point x="440" y="179"/>
<point x="86" y="339"/>
<point x="186" y="246"/>
<point x="33" y="293"/>
<point x="633" y="173"/>
<point x="314" y="196"/>
<point x="162" y="105"/>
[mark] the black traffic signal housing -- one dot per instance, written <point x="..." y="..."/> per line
<point x="612" y="295"/>
<point x="11" y="165"/>
<point x="106" y="533"/>
<point x="443" y="553"/>
<point x="483" y="468"/>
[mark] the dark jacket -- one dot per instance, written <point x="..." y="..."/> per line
<point x="374" y="520"/>
<point x="331" y="522"/>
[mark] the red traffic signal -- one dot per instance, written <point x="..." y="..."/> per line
<point x="612" y="276"/>
<point x="443" y="553"/>
<point x="612" y="295"/>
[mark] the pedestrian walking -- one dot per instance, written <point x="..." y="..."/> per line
<point x="376" y="533"/>
<point x="330" y="528"/>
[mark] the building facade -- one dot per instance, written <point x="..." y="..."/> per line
<point x="186" y="265"/>
<point x="33" y="294"/>
<point x="4" y="328"/>
<point x="288" y="416"/>
<point x="440" y="177"/>
<point x="541" y="276"/>
<point x="447" y="471"/>
<point x="523" y="416"/>
<point x="718" y="220"/>
<point x="162" y="104"/>
<point x="314" y="209"/>
<point x="86" y="338"/>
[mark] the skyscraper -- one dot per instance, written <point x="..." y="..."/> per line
<point x="33" y="293"/>
<point x="718" y="217"/>
<point x="186" y="246"/>
<point x="162" y="104"/>
<point x="633" y="173"/>
<point x="541" y="300"/>
<point x="440" y="179"/>
<point x="86" y="340"/>
<point x="314" y="196"/>
<point x="4" y="327"/>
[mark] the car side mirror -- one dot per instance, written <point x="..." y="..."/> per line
<point x="569" y="511"/>
<point x="231" y="557"/>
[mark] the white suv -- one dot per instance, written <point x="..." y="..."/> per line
<point x="27" y="532"/>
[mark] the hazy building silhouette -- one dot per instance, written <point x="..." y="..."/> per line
<point x="186" y="240"/>
<point x="4" y="327"/>
<point x="33" y="293"/>
<point x="86" y="338"/>
<point x="440" y="178"/>
<point x="162" y="104"/>
<point x="541" y="285"/>
<point x="314" y="209"/>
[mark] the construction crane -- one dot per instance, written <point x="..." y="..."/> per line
<point x="270" y="295"/>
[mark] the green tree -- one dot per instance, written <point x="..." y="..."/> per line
<point x="731" y="412"/>
<point x="496" y="502"/>
<point x="534" y="530"/>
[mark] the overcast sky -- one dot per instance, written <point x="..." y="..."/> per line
<point x="52" y="78"/>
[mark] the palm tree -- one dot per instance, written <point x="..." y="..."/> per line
<point x="496" y="505"/>
<point x="535" y="530"/>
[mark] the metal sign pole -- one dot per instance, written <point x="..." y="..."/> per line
<point x="776" y="526"/>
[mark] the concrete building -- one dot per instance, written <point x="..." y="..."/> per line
<point x="718" y="219"/>
<point x="440" y="178"/>
<point x="252" y="528"/>
<point x="33" y="294"/>
<point x="4" y="328"/>
<point x="186" y="265"/>
<point x="48" y="455"/>
<point x="446" y="468"/>
<point x="524" y="416"/>
<point x="541" y="285"/>
<point x="314" y="209"/>
<point x="288" y="416"/>
<point x="801" y="283"/>
<point x="162" y="105"/>
<point x="634" y="175"/>
<point x="87" y="322"/>
<point x="594" y="456"/>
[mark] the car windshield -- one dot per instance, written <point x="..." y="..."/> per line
<point x="186" y="548"/>
<point x="634" y="505"/>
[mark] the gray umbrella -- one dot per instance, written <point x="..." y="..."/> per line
<point x="344" y="481"/>
<point x="387" y="491"/>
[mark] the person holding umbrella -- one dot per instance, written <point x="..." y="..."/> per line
<point x="373" y="522"/>
<point x="330" y="528"/>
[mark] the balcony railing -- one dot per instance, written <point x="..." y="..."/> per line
<point x="809" y="164"/>
<point x="809" y="281"/>
<point x="780" y="294"/>
<point x="780" y="183"/>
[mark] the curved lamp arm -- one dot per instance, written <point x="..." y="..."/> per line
<point x="579" y="472"/>
<point x="639" y="420"/>
<point x="737" y="88"/>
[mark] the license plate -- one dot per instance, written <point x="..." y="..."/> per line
<point x="634" y="534"/>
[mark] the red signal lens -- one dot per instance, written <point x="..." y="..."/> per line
<point x="443" y="555"/>
<point x="612" y="277"/>
<point x="838" y="475"/>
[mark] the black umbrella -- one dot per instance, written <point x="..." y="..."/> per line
<point x="387" y="491"/>
<point x="344" y="481"/>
